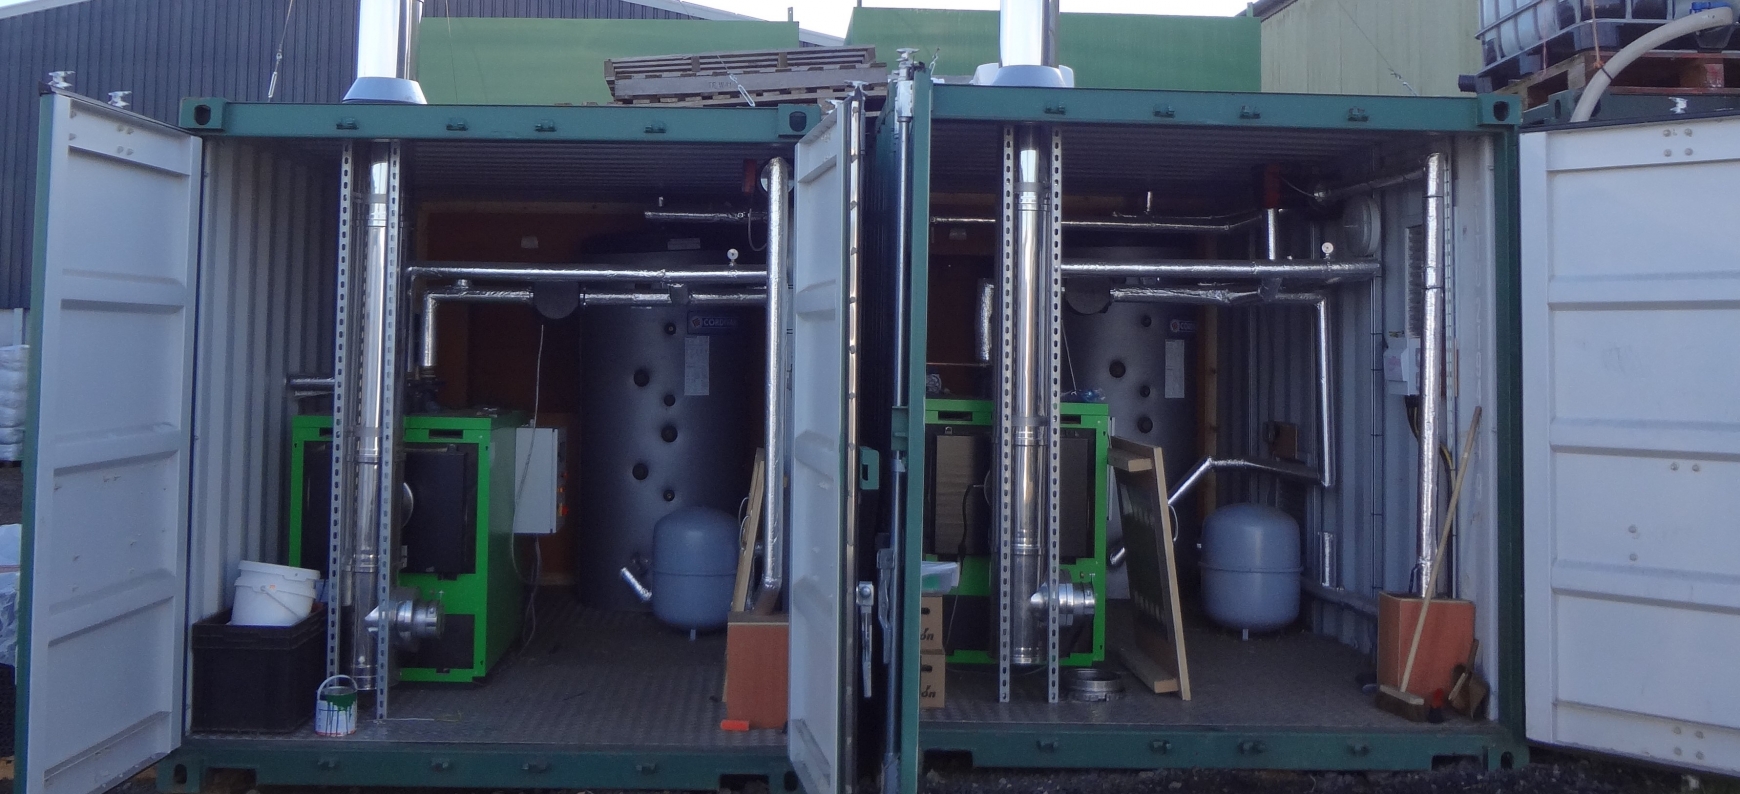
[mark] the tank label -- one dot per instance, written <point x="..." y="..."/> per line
<point x="697" y="366"/>
<point x="714" y="323"/>
<point x="1183" y="326"/>
<point x="1174" y="369"/>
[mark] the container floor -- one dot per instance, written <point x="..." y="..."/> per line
<point x="589" y="679"/>
<point x="1287" y="680"/>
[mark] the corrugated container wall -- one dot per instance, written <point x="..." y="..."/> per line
<point x="1369" y="46"/>
<point x="165" y="50"/>
<point x="265" y="313"/>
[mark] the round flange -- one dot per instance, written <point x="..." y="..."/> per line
<point x="1092" y="684"/>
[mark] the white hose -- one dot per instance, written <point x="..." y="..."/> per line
<point x="1684" y="26"/>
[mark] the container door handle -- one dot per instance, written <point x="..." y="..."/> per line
<point x="867" y="628"/>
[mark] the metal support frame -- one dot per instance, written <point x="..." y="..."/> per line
<point x="1027" y="404"/>
<point x="366" y="416"/>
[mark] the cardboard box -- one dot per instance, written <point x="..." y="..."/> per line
<point x="1443" y="644"/>
<point x="932" y="679"/>
<point x="930" y="624"/>
<point x="756" y="666"/>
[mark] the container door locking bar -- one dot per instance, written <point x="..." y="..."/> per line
<point x="866" y="628"/>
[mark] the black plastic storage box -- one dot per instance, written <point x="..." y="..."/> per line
<point x="256" y="679"/>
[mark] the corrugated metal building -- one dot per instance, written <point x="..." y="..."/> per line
<point x="164" y="50"/>
<point x="1368" y="46"/>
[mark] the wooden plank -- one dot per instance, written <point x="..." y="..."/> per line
<point x="1124" y="460"/>
<point x="1152" y="674"/>
<point x="1145" y="508"/>
<point x="748" y="533"/>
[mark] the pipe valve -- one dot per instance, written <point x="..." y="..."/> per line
<point x="1074" y="602"/>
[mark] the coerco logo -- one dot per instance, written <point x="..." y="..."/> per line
<point x="1183" y="326"/>
<point x="714" y="324"/>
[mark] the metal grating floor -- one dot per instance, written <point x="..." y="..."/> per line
<point x="1290" y="680"/>
<point x="590" y="679"/>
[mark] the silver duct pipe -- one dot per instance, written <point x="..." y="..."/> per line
<point x="686" y="216"/>
<point x="1027" y="33"/>
<point x="1431" y="365"/>
<point x="1221" y="225"/>
<point x="386" y="53"/>
<point x="463" y="292"/>
<point x="1024" y="408"/>
<point x="1214" y="269"/>
<point x="775" y="429"/>
<point x="503" y="271"/>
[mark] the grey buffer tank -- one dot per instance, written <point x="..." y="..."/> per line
<point x="670" y="418"/>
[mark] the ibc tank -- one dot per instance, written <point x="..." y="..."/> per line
<point x="1250" y="567"/>
<point x="671" y="414"/>
<point x="693" y="567"/>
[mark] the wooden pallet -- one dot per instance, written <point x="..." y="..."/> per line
<point x="1678" y="73"/>
<point x="737" y="78"/>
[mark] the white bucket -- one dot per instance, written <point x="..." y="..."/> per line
<point x="273" y="595"/>
<point x="335" y="706"/>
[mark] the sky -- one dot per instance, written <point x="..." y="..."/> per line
<point x="831" y="16"/>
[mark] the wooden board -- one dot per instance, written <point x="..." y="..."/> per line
<point x="748" y="533"/>
<point x="1142" y="501"/>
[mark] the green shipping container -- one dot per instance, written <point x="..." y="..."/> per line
<point x="1175" y="53"/>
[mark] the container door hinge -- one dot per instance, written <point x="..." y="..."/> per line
<point x="866" y="629"/>
<point x="886" y="559"/>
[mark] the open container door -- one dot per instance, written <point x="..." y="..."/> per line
<point x="1631" y="434"/>
<point x="102" y="619"/>
<point x="824" y="491"/>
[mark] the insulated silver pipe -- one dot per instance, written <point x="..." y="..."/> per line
<point x="685" y="216"/>
<point x="774" y="426"/>
<point x="464" y="293"/>
<point x="1368" y="186"/>
<point x="1206" y="465"/>
<point x="1222" y="225"/>
<point x="501" y="271"/>
<point x="1210" y="269"/>
<point x="984" y="327"/>
<point x="1272" y="234"/>
<point x="1026" y="283"/>
<point x="373" y="428"/>
<point x="1431" y="365"/>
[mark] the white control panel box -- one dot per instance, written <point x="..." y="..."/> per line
<point x="540" y="471"/>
